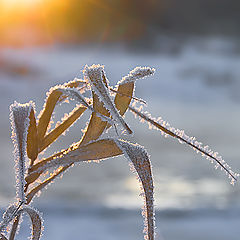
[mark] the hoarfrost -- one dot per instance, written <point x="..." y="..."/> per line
<point x="94" y="75"/>
<point x="137" y="73"/>
<point x="140" y="164"/>
<point x="19" y="116"/>
<point x="76" y="95"/>
<point x="8" y="216"/>
<point x="167" y="130"/>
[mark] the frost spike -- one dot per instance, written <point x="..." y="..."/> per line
<point x="95" y="75"/>
<point x="182" y="137"/>
<point x="55" y="133"/>
<point x="19" y="115"/>
<point x="140" y="163"/>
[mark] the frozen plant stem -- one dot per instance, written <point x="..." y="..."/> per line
<point x="31" y="136"/>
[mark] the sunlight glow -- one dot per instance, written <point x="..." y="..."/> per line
<point x="15" y="3"/>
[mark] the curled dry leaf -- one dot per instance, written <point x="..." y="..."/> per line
<point x="140" y="163"/>
<point x="37" y="226"/>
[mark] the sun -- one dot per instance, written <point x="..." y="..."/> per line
<point x="20" y="3"/>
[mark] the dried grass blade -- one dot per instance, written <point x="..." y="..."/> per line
<point x="182" y="137"/>
<point x="14" y="228"/>
<point x="140" y="163"/>
<point x="97" y="150"/>
<point x="96" y="125"/>
<point x="53" y="97"/>
<point x="43" y="184"/>
<point x="32" y="138"/>
<point x="55" y="133"/>
<point x="131" y="97"/>
<point x="122" y="102"/>
<point x="19" y="115"/>
<point x="37" y="226"/>
<point x="46" y="113"/>
<point x="8" y="216"/>
<point x="95" y="75"/>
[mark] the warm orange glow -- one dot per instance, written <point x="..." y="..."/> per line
<point x="17" y="3"/>
<point x="34" y="22"/>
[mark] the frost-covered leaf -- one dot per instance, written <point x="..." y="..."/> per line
<point x="95" y="75"/>
<point x="14" y="227"/>
<point x="19" y="115"/>
<point x="45" y="183"/>
<point x="94" y="151"/>
<point x="54" y="95"/>
<point x="96" y="125"/>
<point x="8" y="216"/>
<point x="166" y="130"/>
<point x="140" y="163"/>
<point x="137" y="73"/>
<point x="37" y="226"/>
<point x="55" y="133"/>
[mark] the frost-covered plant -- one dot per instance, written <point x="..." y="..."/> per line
<point x="108" y="106"/>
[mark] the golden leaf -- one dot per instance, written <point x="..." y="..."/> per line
<point x="55" y="133"/>
<point x="32" y="138"/>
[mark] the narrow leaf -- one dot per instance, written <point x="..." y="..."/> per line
<point x="32" y="138"/>
<point x="95" y="75"/>
<point x="14" y="227"/>
<point x="125" y="88"/>
<point x="19" y="115"/>
<point x="96" y="125"/>
<point x="8" y="216"/>
<point x="140" y="163"/>
<point x="55" y="133"/>
<point x="97" y="150"/>
<point x="182" y="137"/>
<point x="53" y="96"/>
<point x="37" y="226"/>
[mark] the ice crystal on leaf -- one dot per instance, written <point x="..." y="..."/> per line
<point x="31" y="136"/>
<point x="19" y="115"/>
<point x="167" y="130"/>
<point x="137" y="73"/>
<point x="140" y="163"/>
<point x="95" y="76"/>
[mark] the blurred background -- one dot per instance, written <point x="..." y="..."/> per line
<point x="195" y="47"/>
